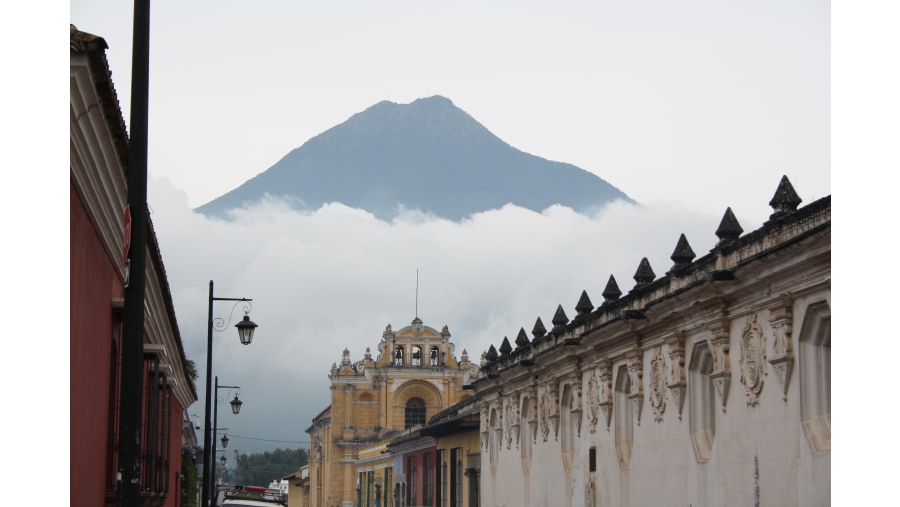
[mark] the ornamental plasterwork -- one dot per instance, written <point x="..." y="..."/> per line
<point x="658" y="385"/>
<point x="635" y="375"/>
<point x="676" y="383"/>
<point x="593" y="396"/>
<point x="485" y="428"/>
<point x="531" y="393"/>
<point x="604" y="376"/>
<point x="753" y="360"/>
<point x="549" y="411"/>
<point x="436" y="383"/>
<point x="507" y="420"/>
<point x="719" y="346"/>
<point x="517" y="418"/>
<point x="576" y="405"/>
<point x="781" y="320"/>
<point x="397" y="383"/>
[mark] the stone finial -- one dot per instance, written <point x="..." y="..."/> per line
<point x="445" y="332"/>
<point x="785" y="200"/>
<point x="584" y="306"/>
<point x="465" y="356"/>
<point x="539" y="330"/>
<point x="368" y="354"/>
<point x="491" y="354"/>
<point x="522" y="339"/>
<point x="345" y="360"/>
<point x="559" y="318"/>
<point x="729" y="228"/>
<point x="611" y="292"/>
<point x="505" y="347"/>
<point x="683" y="254"/>
<point x="644" y="274"/>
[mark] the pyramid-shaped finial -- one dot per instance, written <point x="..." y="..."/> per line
<point x="584" y="306"/>
<point x="522" y="339"/>
<point x="683" y="254"/>
<point x="491" y="354"/>
<point x="505" y="347"/>
<point x="611" y="292"/>
<point x="644" y="274"/>
<point x="785" y="200"/>
<point x="729" y="228"/>
<point x="559" y="318"/>
<point x="539" y="330"/>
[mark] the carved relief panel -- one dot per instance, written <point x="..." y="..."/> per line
<point x="593" y="400"/>
<point x="719" y="346"/>
<point x="781" y="319"/>
<point x="677" y="382"/>
<point x="658" y="385"/>
<point x="636" y="374"/>
<point x="753" y="360"/>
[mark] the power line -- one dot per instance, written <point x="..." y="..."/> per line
<point x="269" y="440"/>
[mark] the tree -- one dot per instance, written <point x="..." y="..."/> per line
<point x="262" y="469"/>
<point x="189" y="486"/>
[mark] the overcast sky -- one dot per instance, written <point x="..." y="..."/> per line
<point x="689" y="107"/>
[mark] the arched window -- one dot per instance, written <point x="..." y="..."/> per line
<point x="623" y="409"/>
<point x="416" y="356"/>
<point x="815" y="377"/>
<point x="415" y="412"/>
<point x="567" y="428"/>
<point x="528" y="433"/>
<point x="702" y="402"/>
<point x="398" y="356"/>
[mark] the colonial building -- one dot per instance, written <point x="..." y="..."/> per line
<point x="97" y="200"/>
<point x="709" y="385"/>
<point x="414" y="376"/>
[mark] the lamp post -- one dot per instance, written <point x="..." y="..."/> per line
<point x="245" y="332"/>
<point x="235" y="409"/>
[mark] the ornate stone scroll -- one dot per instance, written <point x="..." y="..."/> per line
<point x="636" y="374"/>
<point x="753" y="360"/>
<point x="485" y="424"/>
<point x="593" y="400"/>
<point x="658" y="385"/>
<point x="719" y="345"/>
<point x="604" y="376"/>
<point x="576" y="405"/>
<point x="549" y="410"/>
<point x="781" y="319"/>
<point x="514" y="418"/>
<point x="677" y="383"/>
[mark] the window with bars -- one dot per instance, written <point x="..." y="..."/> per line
<point x="415" y="412"/>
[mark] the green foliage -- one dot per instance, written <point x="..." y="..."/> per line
<point x="189" y="486"/>
<point x="262" y="469"/>
<point x="191" y="369"/>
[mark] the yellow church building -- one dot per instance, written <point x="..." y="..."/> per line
<point x="376" y="400"/>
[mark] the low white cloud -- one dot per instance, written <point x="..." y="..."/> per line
<point x="335" y="277"/>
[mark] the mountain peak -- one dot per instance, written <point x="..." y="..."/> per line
<point x="429" y="155"/>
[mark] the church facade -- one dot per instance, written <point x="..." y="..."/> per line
<point x="375" y="401"/>
<point x="710" y="385"/>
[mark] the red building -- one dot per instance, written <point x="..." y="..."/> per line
<point x="98" y="157"/>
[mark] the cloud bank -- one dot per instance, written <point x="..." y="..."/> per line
<point x="334" y="278"/>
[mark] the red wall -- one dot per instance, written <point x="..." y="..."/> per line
<point x="90" y="343"/>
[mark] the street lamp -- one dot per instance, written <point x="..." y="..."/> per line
<point x="235" y="409"/>
<point x="245" y="333"/>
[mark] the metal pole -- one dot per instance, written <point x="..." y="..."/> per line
<point x="215" y="430"/>
<point x="206" y="429"/>
<point x="128" y="490"/>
